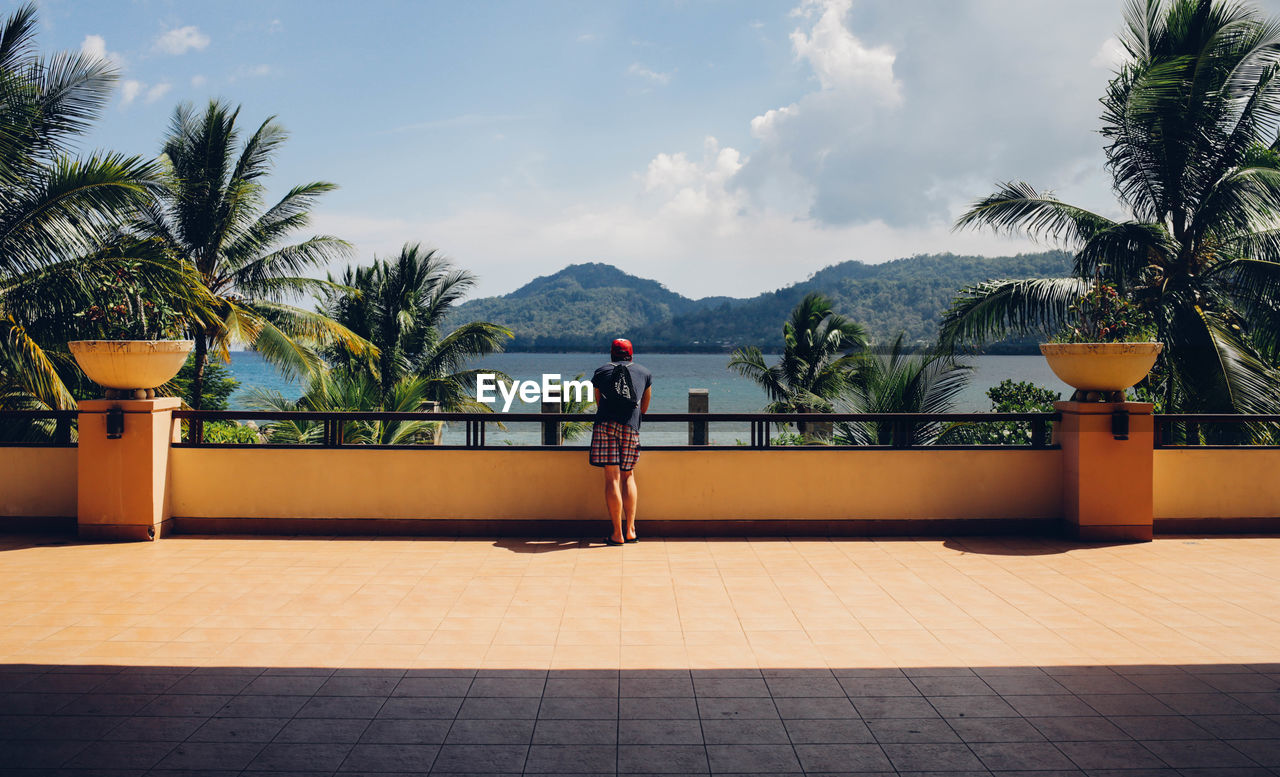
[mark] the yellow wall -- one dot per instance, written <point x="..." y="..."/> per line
<point x="216" y="483"/>
<point x="38" y="482"/>
<point x="1233" y="483"/>
<point x="675" y="485"/>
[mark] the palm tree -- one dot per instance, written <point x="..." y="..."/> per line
<point x="400" y="305"/>
<point x="819" y="359"/>
<point x="343" y="391"/>
<point x="212" y="213"/>
<point x="55" y="210"/>
<point x="1190" y="124"/>
<point x="900" y="382"/>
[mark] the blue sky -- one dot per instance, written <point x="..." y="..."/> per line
<point x="720" y="147"/>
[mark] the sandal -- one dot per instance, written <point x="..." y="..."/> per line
<point x="632" y="541"/>
<point x="611" y="541"/>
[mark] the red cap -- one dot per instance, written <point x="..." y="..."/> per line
<point x="620" y="349"/>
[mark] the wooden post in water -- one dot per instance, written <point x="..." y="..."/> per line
<point x="699" y="402"/>
<point x="552" y="432"/>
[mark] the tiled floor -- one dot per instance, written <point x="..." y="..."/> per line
<point x="222" y="656"/>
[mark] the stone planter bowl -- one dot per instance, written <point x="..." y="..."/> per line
<point x="131" y="369"/>
<point x="1102" y="367"/>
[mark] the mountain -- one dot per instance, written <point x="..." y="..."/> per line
<point x="585" y="304"/>
<point x="580" y="305"/>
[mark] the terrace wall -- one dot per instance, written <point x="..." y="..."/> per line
<point x="1226" y="489"/>
<point x="37" y="482"/>
<point x="689" y="487"/>
<point x="873" y="491"/>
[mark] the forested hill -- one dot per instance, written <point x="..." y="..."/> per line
<point x="585" y="304"/>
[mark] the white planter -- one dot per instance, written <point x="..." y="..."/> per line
<point x="1101" y="367"/>
<point x="131" y="369"/>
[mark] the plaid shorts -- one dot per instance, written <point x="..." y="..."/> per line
<point x="614" y="444"/>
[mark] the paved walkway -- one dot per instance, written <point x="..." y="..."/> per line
<point x="222" y="656"/>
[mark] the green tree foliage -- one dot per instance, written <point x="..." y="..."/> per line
<point x="900" y="382"/>
<point x="1008" y="397"/>
<point x="399" y="305"/>
<point x="820" y="351"/>
<point x="60" y="215"/>
<point x="219" y="384"/>
<point x="212" y="213"/>
<point x="230" y="433"/>
<point x="348" y="391"/>
<point x="1190" y="124"/>
<point x="576" y="430"/>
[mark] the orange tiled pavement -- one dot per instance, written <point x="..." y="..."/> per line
<point x="699" y="604"/>
<point x="992" y="657"/>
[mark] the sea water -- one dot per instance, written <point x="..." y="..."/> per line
<point x="673" y="375"/>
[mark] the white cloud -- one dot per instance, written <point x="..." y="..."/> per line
<point x="695" y="240"/>
<point x="180" y="40"/>
<point x="765" y="126"/>
<point x="586" y="37"/>
<point x="158" y="91"/>
<point x="838" y="58"/>
<point x="198" y="81"/>
<point x="95" y="46"/>
<point x="911" y="117"/>
<point x="1111" y="55"/>
<point x="252" y="71"/>
<point x="641" y="71"/>
<point x="129" y="91"/>
<point x="915" y="116"/>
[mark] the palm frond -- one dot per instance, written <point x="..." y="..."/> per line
<point x="988" y="311"/>
<point x="1017" y="208"/>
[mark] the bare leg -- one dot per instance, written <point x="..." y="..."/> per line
<point x="630" y="493"/>
<point x="613" y="500"/>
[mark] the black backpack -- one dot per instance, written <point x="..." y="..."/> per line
<point x="618" y="389"/>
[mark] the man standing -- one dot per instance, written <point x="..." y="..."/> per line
<point x="622" y="389"/>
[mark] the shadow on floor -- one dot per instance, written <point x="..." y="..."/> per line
<point x="113" y="721"/>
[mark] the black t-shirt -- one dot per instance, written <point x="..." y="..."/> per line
<point x="641" y="379"/>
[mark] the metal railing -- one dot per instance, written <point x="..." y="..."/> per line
<point x="51" y="428"/>
<point x="901" y="426"/>
<point x="57" y="428"/>
<point x="1216" y="430"/>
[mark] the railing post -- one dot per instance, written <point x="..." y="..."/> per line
<point x="1107" y="471"/>
<point x="552" y="432"/>
<point x="1040" y="433"/>
<point x="62" y="431"/>
<point x="760" y="434"/>
<point x="901" y="433"/>
<point x="699" y="402"/>
<point x="122" y="476"/>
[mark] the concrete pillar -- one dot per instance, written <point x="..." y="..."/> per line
<point x="123" y="483"/>
<point x="699" y="402"/>
<point x="552" y="432"/>
<point x="1107" y="455"/>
